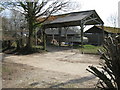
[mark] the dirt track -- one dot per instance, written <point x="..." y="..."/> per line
<point x="61" y="68"/>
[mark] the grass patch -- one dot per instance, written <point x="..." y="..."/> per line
<point x="6" y="70"/>
<point x="37" y="47"/>
<point x="91" y="49"/>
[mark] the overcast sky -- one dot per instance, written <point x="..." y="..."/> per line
<point x="104" y="8"/>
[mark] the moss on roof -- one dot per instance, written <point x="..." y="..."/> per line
<point x="111" y="29"/>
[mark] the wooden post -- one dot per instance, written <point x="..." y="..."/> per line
<point x="66" y="29"/>
<point x="44" y="39"/>
<point x="21" y="40"/>
<point x="59" y="37"/>
<point x="82" y="34"/>
<point x="103" y="33"/>
<point x="98" y="36"/>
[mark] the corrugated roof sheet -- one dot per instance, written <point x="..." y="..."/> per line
<point x="72" y="19"/>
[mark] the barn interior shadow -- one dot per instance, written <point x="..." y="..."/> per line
<point x="52" y="48"/>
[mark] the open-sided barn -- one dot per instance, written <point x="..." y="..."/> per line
<point x="81" y="19"/>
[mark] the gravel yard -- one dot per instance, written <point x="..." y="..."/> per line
<point x="58" y="68"/>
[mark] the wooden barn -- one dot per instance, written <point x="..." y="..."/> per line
<point x="81" y="19"/>
<point x="95" y="34"/>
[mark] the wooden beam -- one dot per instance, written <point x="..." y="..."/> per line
<point x="82" y="35"/>
<point x="103" y="33"/>
<point x="59" y="36"/>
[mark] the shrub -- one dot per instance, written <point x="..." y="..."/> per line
<point x="109" y="70"/>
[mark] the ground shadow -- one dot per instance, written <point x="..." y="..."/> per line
<point x="53" y="48"/>
<point x="74" y="81"/>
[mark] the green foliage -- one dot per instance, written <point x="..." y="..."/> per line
<point x="1" y="9"/>
<point x="14" y="44"/>
<point x="109" y="72"/>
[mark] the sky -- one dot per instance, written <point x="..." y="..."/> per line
<point x="104" y="8"/>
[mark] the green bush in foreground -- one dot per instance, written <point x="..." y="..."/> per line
<point x="109" y="72"/>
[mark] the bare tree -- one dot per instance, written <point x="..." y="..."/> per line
<point x="18" y="23"/>
<point x="33" y="10"/>
<point x="6" y="33"/>
<point x="11" y="27"/>
<point x="113" y="19"/>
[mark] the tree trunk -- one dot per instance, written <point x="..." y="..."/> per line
<point x="9" y="44"/>
<point x="44" y="40"/>
<point x="30" y="19"/>
<point x="18" y="45"/>
<point x="21" y="40"/>
<point x="29" y="41"/>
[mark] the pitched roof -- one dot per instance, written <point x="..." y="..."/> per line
<point x="72" y="19"/>
<point x="111" y="29"/>
<point x="95" y="29"/>
<point x="98" y="29"/>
